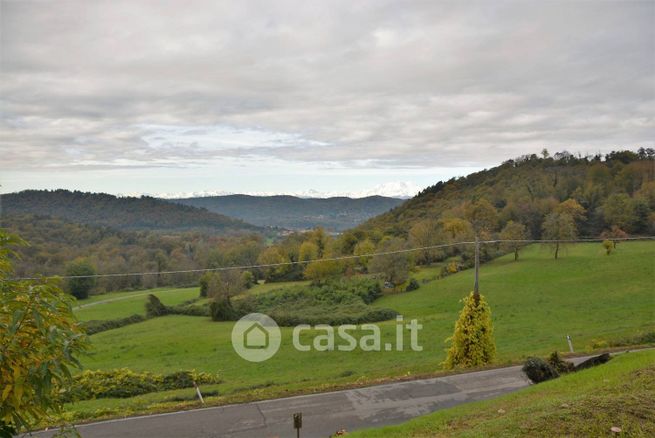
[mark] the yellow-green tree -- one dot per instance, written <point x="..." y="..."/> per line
<point x="322" y="270"/>
<point x="473" y="343"/>
<point x="39" y="341"/>
<point x="559" y="227"/>
<point x="308" y="251"/>
<point x="514" y="232"/>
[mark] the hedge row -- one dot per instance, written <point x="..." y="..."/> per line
<point x="123" y="383"/>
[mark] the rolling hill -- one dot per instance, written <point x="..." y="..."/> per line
<point x="291" y="212"/>
<point x="121" y="213"/>
<point x="617" y="190"/>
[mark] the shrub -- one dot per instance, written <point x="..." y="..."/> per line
<point x="472" y="343"/>
<point x="124" y="383"/>
<point x="561" y="366"/>
<point x="609" y="246"/>
<point x="412" y="285"/>
<point x="538" y="370"/>
<point x="335" y="302"/>
<point x="221" y="309"/>
<point x="154" y="307"/>
<point x="96" y="326"/>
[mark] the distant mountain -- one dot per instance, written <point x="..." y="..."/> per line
<point x="122" y="213"/>
<point x="396" y="189"/>
<point x="292" y="212"/>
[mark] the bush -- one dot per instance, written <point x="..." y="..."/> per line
<point x="334" y="303"/>
<point x="472" y="343"/>
<point x="124" y="383"/>
<point x="154" y="307"/>
<point x="561" y="366"/>
<point x="412" y="285"/>
<point x="609" y="246"/>
<point x="96" y="326"/>
<point x="222" y="310"/>
<point x="538" y="370"/>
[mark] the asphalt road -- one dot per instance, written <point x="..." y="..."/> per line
<point x="323" y="414"/>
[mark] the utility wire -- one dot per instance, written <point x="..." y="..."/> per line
<point x="348" y="257"/>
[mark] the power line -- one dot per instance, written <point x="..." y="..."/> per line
<point x="347" y="257"/>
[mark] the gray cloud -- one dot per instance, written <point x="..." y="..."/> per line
<point x="356" y="84"/>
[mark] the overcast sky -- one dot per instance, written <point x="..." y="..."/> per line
<point x="280" y="96"/>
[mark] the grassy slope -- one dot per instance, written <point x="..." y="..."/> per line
<point x="588" y="403"/>
<point x="121" y="304"/>
<point x="535" y="302"/>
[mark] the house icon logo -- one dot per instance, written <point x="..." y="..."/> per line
<point x="256" y="337"/>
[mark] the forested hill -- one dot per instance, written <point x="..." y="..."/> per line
<point x="617" y="190"/>
<point x="336" y="214"/>
<point x="122" y="213"/>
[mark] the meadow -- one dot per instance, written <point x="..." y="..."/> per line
<point x="594" y="298"/>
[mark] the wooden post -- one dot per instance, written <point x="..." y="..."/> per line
<point x="476" y="290"/>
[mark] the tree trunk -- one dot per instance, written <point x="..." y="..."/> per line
<point x="516" y="254"/>
<point x="556" y="250"/>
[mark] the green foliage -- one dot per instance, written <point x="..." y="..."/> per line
<point x="412" y="285"/>
<point x="39" y="344"/>
<point x="561" y="366"/>
<point x="204" y="283"/>
<point x="473" y="342"/>
<point x="514" y="231"/>
<point x="538" y="370"/>
<point x="393" y="267"/>
<point x="321" y="271"/>
<point x="559" y="226"/>
<point x="221" y="309"/>
<point x="124" y="383"/>
<point x="80" y="287"/>
<point x="154" y="307"/>
<point x="96" y="326"/>
<point x="609" y="246"/>
<point x="335" y="302"/>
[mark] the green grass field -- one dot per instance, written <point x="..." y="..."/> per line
<point x="620" y="394"/>
<point x="121" y="304"/>
<point x="536" y="302"/>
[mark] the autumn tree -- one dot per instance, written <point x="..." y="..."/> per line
<point x="613" y="234"/>
<point x="321" y="271"/>
<point x="308" y="251"/>
<point x="516" y="232"/>
<point x="482" y="216"/>
<point x="393" y="267"/>
<point x="425" y="234"/>
<point x="558" y="227"/>
<point x="618" y="210"/>
<point x="275" y="263"/>
<point x="363" y="249"/>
